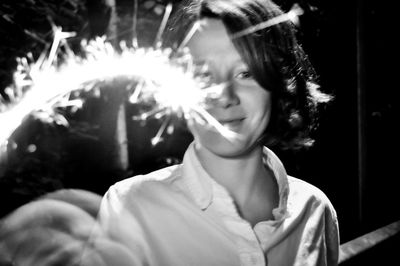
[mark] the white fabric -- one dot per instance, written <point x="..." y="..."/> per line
<point x="180" y="216"/>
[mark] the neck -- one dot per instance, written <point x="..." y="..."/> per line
<point x="240" y="175"/>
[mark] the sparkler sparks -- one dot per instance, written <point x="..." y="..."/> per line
<point x="166" y="81"/>
<point x="169" y="83"/>
<point x="292" y="15"/>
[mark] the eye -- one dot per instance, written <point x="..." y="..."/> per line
<point x="244" y="75"/>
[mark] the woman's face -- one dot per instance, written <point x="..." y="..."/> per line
<point x="241" y="105"/>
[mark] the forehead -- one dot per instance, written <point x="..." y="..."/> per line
<point x="211" y="40"/>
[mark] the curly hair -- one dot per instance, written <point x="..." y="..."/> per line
<point x="275" y="59"/>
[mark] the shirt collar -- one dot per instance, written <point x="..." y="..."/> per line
<point x="274" y="163"/>
<point x="200" y="184"/>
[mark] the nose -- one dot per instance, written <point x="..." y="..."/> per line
<point x="225" y="96"/>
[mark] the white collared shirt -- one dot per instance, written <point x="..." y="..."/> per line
<point x="180" y="216"/>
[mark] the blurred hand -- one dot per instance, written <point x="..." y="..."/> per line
<point x="59" y="229"/>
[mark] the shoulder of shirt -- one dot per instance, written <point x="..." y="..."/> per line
<point x="303" y="191"/>
<point x="139" y="183"/>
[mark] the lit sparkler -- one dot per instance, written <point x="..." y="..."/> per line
<point x="167" y="81"/>
<point x="170" y="83"/>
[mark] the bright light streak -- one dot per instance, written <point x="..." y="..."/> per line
<point x="168" y="10"/>
<point x="189" y="35"/>
<point x="168" y="82"/>
<point x="292" y="15"/>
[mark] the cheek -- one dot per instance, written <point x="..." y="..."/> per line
<point x="259" y="110"/>
<point x="259" y="106"/>
<point x="260" y="122"/>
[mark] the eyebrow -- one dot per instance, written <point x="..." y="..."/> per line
<point x="204" y="61"/>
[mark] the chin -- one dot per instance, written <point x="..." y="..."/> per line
<point x="222" y="147"/>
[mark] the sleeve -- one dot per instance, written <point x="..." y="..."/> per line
<point x="332" y="236"/>
<point x="319" y="244"/>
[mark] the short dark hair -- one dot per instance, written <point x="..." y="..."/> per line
<point x="276" y="60"/>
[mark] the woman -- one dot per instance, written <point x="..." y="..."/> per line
<point x="231" y="202"/>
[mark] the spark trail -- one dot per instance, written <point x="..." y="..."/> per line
<point x="166" y="79"/>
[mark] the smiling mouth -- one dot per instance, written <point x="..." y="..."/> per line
<point x="232" y="123"/>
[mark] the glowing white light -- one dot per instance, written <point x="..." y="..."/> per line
<point x="167" y="82"/>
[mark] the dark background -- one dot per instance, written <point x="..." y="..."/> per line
<point x="354" y="161"/>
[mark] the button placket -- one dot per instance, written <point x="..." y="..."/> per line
<point x="250" y="250"/>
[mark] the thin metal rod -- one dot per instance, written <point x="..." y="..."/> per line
<point x="361" y="111"/>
